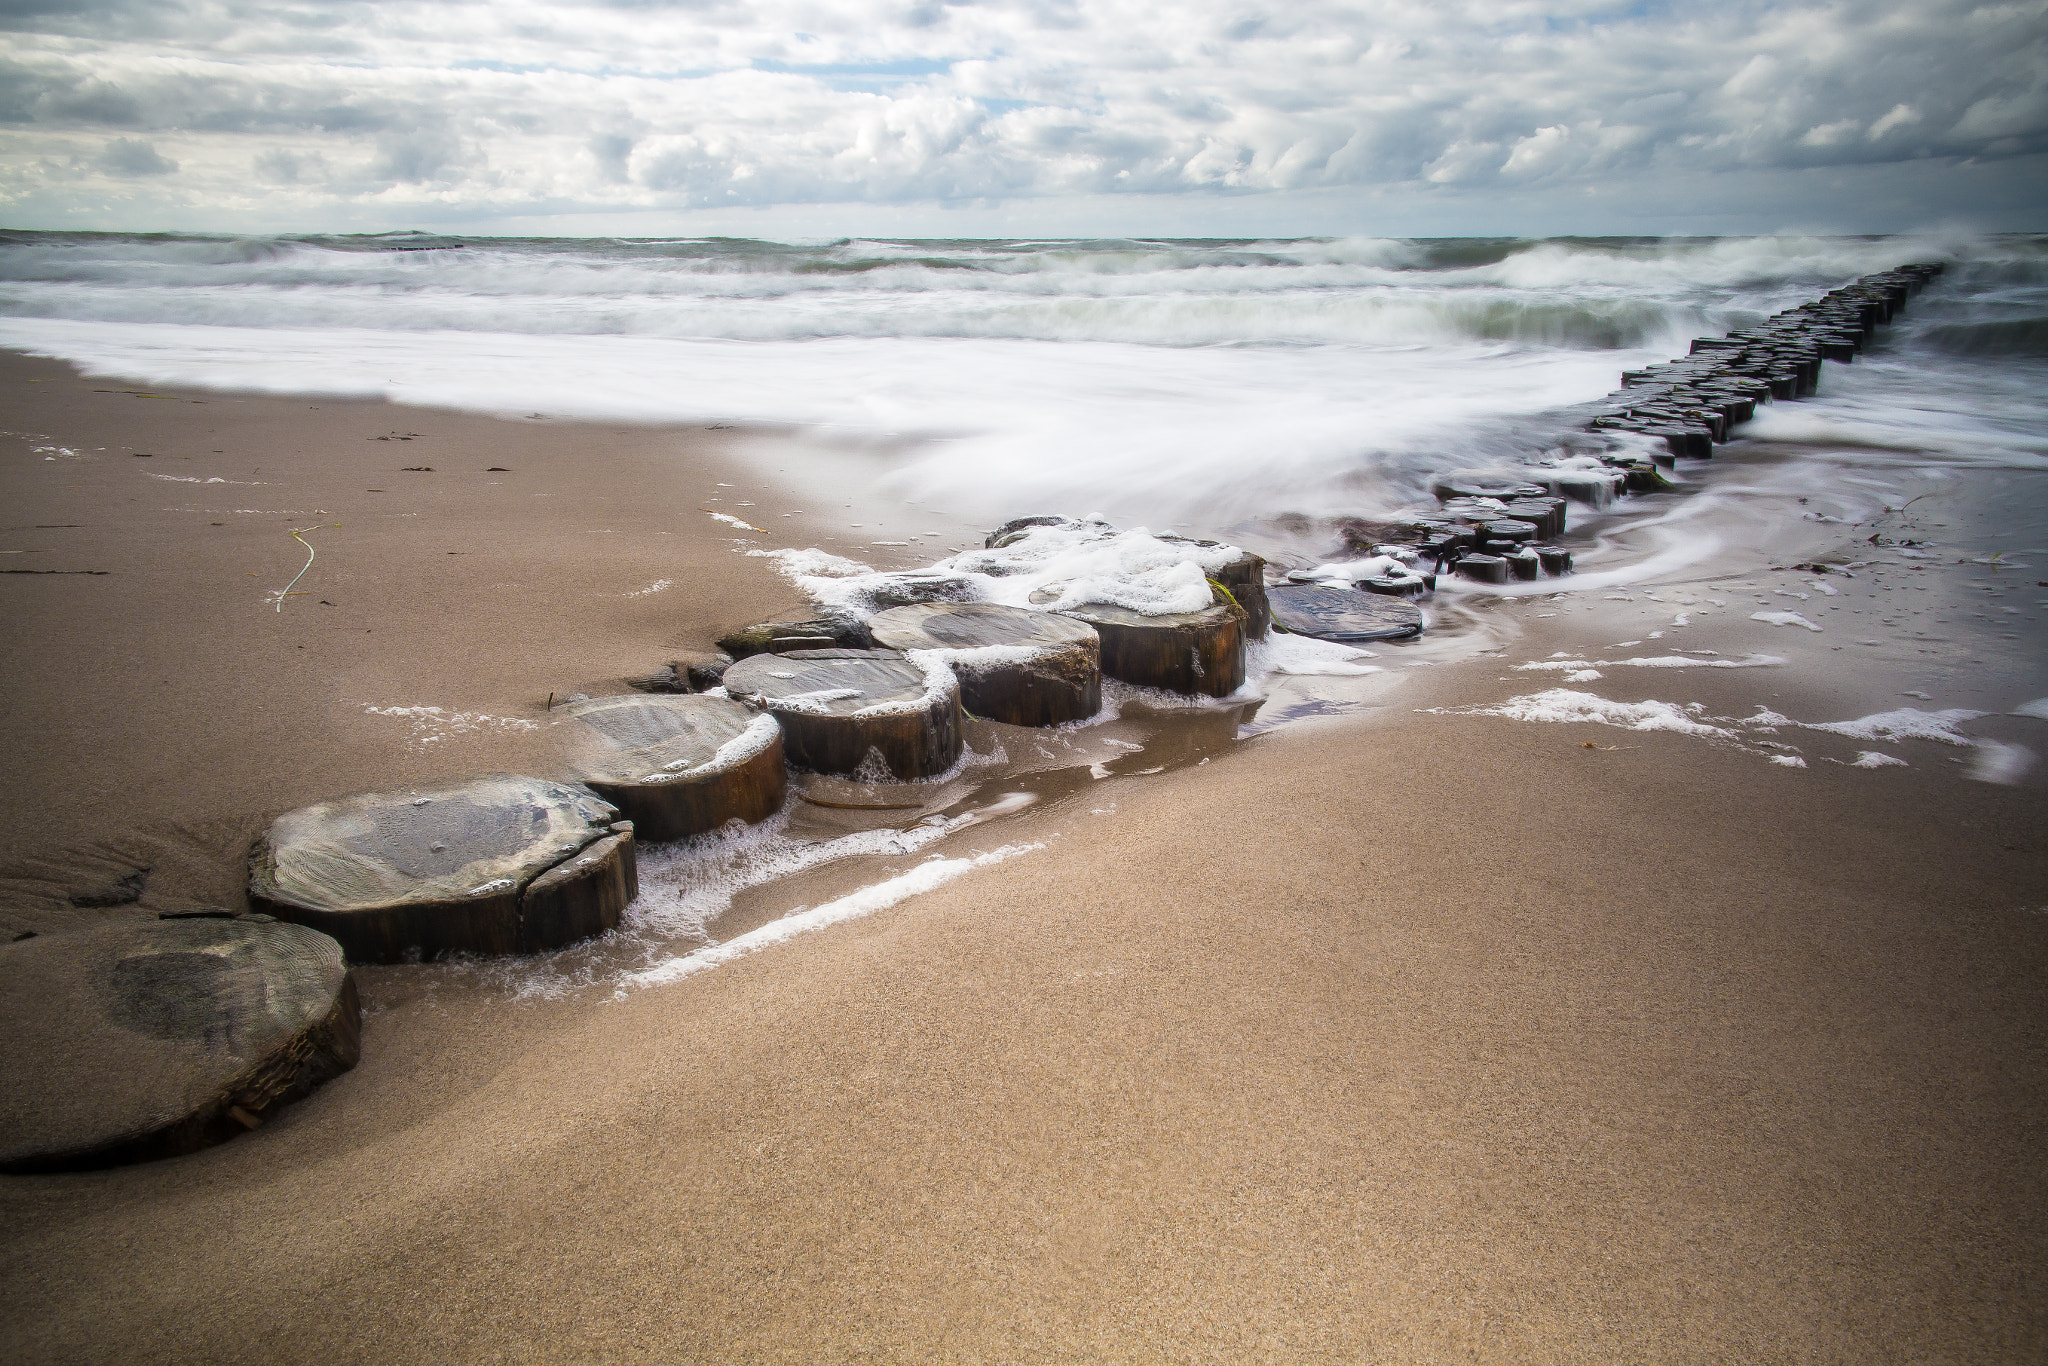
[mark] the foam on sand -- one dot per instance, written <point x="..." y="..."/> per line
<point x="1292" y="654"/>
<point x="1785" y="619"/>
<point x="1569" y="666"/>
<point x="934" y="872"/>
<point x="1567" y="705"/>
<point x="2001" y="762"/>
<point x="1907" y="723"/>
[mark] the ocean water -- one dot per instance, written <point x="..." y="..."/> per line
<point x="1247" y="389"/>
<point x="1232" y="386"/>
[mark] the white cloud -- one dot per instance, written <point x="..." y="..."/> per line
<point x="540" y="107"/>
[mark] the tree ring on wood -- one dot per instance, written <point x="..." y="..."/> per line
<point x="1343" y="614"/>
<point x="679" y="766"/>
<point x="837" y="705"/>
<point x="397" y="874"/>
<point x="1017" y="666"/>
<point x="140" y="1039"/>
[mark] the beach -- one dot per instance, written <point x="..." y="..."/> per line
<point x="1424" y="1027"/>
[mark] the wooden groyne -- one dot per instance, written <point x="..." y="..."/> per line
<point x="149" y="1039"/>
<point x="1695" y="403"/>
<point x="1488" y="523"/>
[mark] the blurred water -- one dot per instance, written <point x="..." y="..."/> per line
<point x="1192" y="382"/>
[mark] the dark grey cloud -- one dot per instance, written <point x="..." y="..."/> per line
<point x="128" y="157"/>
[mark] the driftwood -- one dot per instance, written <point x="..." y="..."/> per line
<point x="836" y="706"/>
<point x="1185" y="652"/>
<point x="679" y="766"/>
<point x="141" y="1039"/>
<point x="393" y="875"/>
<point x="1343" y="613"/>
<point x="1017" y="666"/>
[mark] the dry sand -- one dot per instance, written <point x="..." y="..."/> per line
<point x="1415" y="1038"/>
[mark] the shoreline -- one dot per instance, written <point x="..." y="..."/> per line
<point x="1431" y="1035"/>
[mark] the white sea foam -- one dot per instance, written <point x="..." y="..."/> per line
<point x="1157" y="381"/>
<point x="1655" y="662"/>
<point x="1567" y="705"/>
<point x="1293" y="654"/>
<point x="1784" y="619"/>
<point x="935" y="872"/>
<point x="1907" y="723"/>
<point x="1871" y="758"/>
<point x="2037" y="708"/>
<point x="432" y="725"/>
<point x="1998" y="761"/>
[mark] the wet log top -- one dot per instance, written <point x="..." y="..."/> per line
<point x="484" y="838"/>
<point x="976" y="626"/>
<point x="665" y="739"/>
<point x="137" y="1038"/>
<point x="843" y="683"/>
<point x="1015" y="665"/>
<point x="1342" y="614"/>
<point x="679" y="766"/>
<point x="1101" y="614"/>
<point x="841" y="708"/>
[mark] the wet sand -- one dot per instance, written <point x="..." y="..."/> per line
<point x="1398" y="1036"/>
<point x="156" y="709"/>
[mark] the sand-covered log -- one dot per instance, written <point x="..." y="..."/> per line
<point x="397" y="874"/>
<point x="679" y="766"/>
<point x="1343" y="613"/>
<point x="1017" y="666"/>
<point x="1198" y="653"/>
<point x="836" y="706"/>
<point x="141" y="1039"/>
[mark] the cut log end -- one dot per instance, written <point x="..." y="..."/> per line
<point x="145" y="1039"/>
<point x="398" y="875"/>
<point x="1016" y="666"/>
<point x="835" y="706"/>
<point x="1196" y="653"/>
<point x="1343" y="614"/>
<point x="679" y="766"/>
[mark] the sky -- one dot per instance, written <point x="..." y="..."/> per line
<point x="794" y="118"/>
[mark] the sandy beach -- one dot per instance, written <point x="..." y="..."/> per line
<point x="1412" y="1034"/>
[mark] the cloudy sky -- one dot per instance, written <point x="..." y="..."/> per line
<point x="935" y="117"/>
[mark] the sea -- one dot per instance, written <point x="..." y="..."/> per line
<point x="1258" y="391"/>
<point x="1236" y="387"/>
